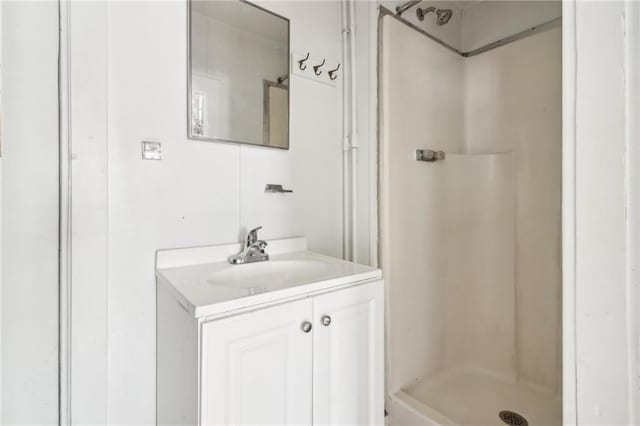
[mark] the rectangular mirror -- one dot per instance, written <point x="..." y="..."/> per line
<point x="238" y="74"/>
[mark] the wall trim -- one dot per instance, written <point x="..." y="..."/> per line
<point x="569" y="99"/>
<point x="632" y="184"/>
<point x="64" y="313"/>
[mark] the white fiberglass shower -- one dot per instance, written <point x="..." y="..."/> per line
<point x="471" y="244"/>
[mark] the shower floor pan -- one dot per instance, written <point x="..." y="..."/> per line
<point x="471" y="398"/>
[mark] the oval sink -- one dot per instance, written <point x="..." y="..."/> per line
<point x="268" y="275"/>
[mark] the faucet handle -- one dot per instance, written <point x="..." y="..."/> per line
<point x="252" y="236"/>
<point x="260" y="245"/>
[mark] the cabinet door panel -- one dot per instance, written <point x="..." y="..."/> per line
<point x="257" y="367"/>
<point x="348" y="357"/>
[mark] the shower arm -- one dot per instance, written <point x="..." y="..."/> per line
<point x="421" y="13"/>
<point x="404" y="7"/>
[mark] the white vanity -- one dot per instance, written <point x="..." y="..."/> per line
<point x="296" y="340"/>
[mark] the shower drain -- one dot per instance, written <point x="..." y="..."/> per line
<point x="513" y="419"/>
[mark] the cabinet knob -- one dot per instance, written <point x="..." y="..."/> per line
<point x="326" y="320"/>
<point x="306" y="326"/>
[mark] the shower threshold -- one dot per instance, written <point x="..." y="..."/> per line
<point x="471" y="398"/>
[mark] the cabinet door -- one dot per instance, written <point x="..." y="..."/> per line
<point x="257" y="367"/>
<point x="348" y="356"/>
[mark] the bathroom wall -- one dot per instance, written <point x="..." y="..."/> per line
<point x="366" y="93"/>
<point x="476" y="257"/>
<point x="128" y="84"/>
<point x="29" y="322"/>
<point x="513" y="101"/>
<point x="602" y="184"/>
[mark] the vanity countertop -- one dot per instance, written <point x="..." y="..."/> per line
<point x="206" y="284"/>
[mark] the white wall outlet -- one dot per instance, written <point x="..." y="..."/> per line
<point x="151" y="150"/>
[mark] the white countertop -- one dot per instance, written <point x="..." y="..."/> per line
<point x="206" y="284"/>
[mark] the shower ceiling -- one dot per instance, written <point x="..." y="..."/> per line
<point x="462" y="5"/>
<point x="524" y="18"/>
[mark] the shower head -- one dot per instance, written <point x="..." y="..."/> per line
<point x="442" y="15"/>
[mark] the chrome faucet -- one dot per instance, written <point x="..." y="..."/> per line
<point x="253" y="250"/>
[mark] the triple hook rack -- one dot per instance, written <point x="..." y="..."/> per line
<point x="302" y="63"/>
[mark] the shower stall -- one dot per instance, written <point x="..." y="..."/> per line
<point x="470" y="241"/>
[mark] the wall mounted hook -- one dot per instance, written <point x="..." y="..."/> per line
<point x="316" y="68"/>
<point x="301" y="62"/>
<point x="333" y="73"/>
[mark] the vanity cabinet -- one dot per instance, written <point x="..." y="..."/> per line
<point x="317" y="359"/>
<point x="311" y="361"/>
<point x="348" y="356"/>
<point x="295" y="340"/>
<point x="257" y="367"/>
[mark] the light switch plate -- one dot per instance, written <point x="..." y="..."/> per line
<point x="151" y="150"/>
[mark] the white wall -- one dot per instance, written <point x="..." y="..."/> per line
<point x="128" y="84"/>
<point x="601" y="285"/>
<point x="88" y="210"/>
<point x="474" y="252"/>
<point x="417" y="113"/>
<point x="29" y="213"/>
<point x="366" y="15"/>
<point x="513" y="100"/>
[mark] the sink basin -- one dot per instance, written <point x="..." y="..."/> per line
<point x="206" y="284"/>
<point x="273" y="274"/>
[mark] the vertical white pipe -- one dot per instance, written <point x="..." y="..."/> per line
<point x="350" y="136"/>
<point x="373" y="135"/>
<point x="346" y="234"/>
<point x="354" y="133"/>
<point x="64" y="374"/>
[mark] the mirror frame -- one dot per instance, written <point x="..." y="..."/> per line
<point x="190" y="134"/>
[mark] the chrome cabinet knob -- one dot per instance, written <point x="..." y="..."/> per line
<point x="306" y="326"/>
<point x="326" y="320"/>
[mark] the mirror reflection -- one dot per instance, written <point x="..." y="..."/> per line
<point x="239" y="74"/>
